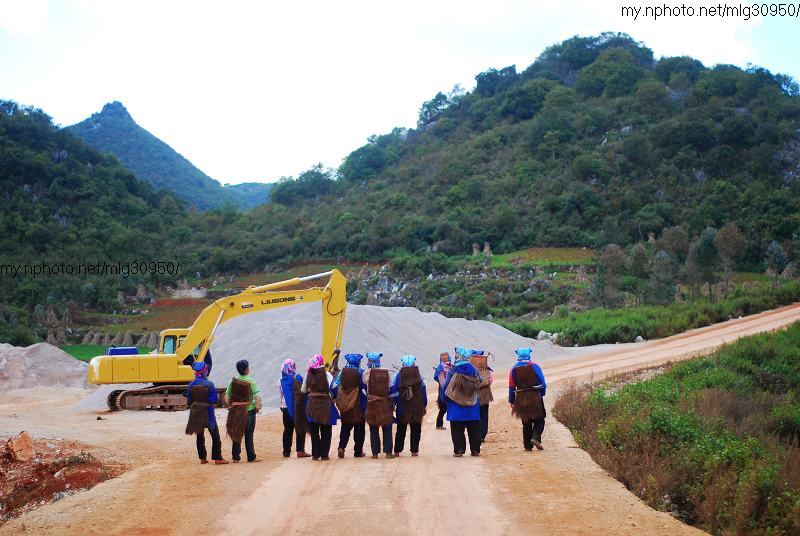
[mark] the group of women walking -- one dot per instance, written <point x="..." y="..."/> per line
<point x="373" y="397"/>
<point x="377" y="398"/>
<point x="360" y="398"/>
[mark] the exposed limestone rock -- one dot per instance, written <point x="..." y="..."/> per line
<point x="117" y="339"/>
<point x="87" y="339"/>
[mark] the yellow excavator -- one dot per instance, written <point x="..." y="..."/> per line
<point x="168" y="368"/>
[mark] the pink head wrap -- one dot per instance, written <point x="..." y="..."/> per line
<point x="315" y="362"/>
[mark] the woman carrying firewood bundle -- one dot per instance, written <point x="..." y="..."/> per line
<point x="380" y="405"/>
<point x="352" y="403"/>
<point x="320" y="409"/>
<point x="526" y="387"/>
<point x="439" y="376"/>
<point x="412" y="399"/>
<point x="485" y="397"/>
<point x="293" y="408"/>
<point x="463" y="411"/>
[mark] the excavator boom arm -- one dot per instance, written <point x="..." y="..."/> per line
<point x="164" y="368"/>
<point x="266" y="297"/>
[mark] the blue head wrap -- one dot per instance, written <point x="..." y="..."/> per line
<point x="463" y="352"/>
<point x="374" y="359"/>
<point x="353" y="360"/>
<point x="523" y="354"/>
<point x="408" y="360"/>
<point x="200" y="368"/>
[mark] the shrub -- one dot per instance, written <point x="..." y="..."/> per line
<point x="608" y="326"/>
<point x="708" y="439"/>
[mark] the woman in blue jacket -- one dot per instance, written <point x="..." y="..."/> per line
<point x="463" y="411"/>
<point x="320" y="409"/>
<point x="526" y="390"/>
<point x="289" y="377"/>
<point x="439" y="376"/>
<point x="412" y="401"/>
<point x="350" y="379"/>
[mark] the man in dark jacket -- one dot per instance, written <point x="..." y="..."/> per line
<point x="252" y="404"/>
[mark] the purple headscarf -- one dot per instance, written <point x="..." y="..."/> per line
<point x="289" y="368"/>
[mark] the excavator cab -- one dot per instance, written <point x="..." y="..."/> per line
<point x="170" y="340"/>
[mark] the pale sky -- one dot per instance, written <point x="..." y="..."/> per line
<point x="252" y="91"/>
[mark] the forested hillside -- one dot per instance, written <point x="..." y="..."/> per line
<point x="63" y="201"/>
<point x="594" y="143"/>
<point x="114" y="131"/>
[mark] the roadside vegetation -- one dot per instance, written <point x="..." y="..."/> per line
<point x="608" y="326"/>
<point x="713" y="441"/>
<point x="671" y="283"/>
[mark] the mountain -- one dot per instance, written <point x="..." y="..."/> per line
<point x="114" y="131"/>
<point x="248" y="195"/>
<point x="595" y="142"/>
<point x="64" y="204"/>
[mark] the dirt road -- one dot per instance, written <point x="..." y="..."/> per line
<point x="505" y="491"/>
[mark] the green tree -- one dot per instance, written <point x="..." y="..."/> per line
<point x="675" y="240"/>
<point x="730" y="243"/>
<point x="432" y="109"/>
<point x="775" y="260"/>
<point x="638" y="269"/>
<point x="605" y="285"/>
<point x="661" y="284"/>
<point x="612" y="74"/>
<point x="705" y="256"/>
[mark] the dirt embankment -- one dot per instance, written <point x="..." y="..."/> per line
<point x="505" y="491"/>
<point x="59" y="469"/>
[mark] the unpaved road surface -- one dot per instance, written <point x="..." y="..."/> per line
<point x="505" y="491"/>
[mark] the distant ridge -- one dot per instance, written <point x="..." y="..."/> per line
<point x="114" y="131"/>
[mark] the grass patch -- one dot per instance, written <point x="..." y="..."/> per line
<point x="85" y="352"/>
<point x="713" y="440"/>
<point x="608" y="326"/>
<point x="545" y="257"/>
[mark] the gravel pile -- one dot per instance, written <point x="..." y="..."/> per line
<point x="39" y="365"/>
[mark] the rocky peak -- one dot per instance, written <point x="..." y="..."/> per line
<point x="116" y="109"/>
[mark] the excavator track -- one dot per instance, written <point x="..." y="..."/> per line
<point x="113" y="400"/>
<point x="158" y="397"/>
